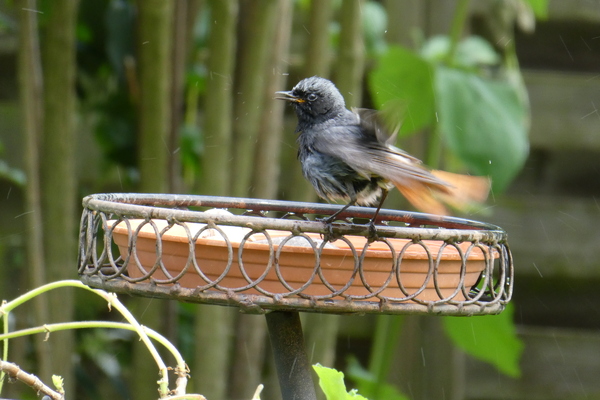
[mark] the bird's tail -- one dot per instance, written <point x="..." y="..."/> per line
<point x="461" y="192"/>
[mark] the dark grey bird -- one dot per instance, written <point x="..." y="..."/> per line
<point x="348" y="155"/>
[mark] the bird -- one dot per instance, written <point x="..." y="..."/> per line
<point x="348" y="155"/>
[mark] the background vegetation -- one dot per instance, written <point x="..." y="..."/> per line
<point x="177" y="96"/>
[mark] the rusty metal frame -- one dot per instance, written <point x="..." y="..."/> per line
<point x="100" y="266"/>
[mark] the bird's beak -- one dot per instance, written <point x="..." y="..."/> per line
<point x="288" y="96"/>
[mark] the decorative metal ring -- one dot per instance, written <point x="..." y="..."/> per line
<point x="241" y="252"/>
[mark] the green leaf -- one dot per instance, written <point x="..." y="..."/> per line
<point x="13" y="175"/>
<point x="369" y="385"/>
<point x="471" y="52"/>
<point x="539" y="7"/>
<point x="332" y="383"/>
<point x="476" y="51"/>
<point x="490" y="338"/>
<point x="484" y="122"/>
<point x="404" y="81"/>
<point x="436" y="48"/>
<point x="58" y="383"/>
<point x="374" y="19"/>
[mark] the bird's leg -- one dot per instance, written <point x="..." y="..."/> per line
<point x="333" y="217"/>
<point x="372" y="229"/>
<point x="330" y="237"/>
<point x="329" y="220"/>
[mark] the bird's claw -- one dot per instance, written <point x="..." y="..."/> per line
<point x="373" y="236"/>
<point x="329" y="220"/>
<point x="330" y="235"/>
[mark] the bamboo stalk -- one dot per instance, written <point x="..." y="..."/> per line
<point x="322" y="330"/>
<point x="154" y="123"/>
<point x="250" y="342"/>
<point x="214" y="325"/>
<point x="214" y="337"/>
<point x="154" y="103"/>
<point x="317" y="61"/>
<point x="58" y="175"/>
<point x="179" y="52"/>
<point x="260" y="17"/>
<point x="216" y="160"/>
<point x="317" y="57"/>
<point x="351" y="56"/>
<point x="266" y="167"/>
<point x="30" y="90"/>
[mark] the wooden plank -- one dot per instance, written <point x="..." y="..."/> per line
<point x="551" y="236"/>
<point x="438" y="17"/>
<point x="578" y="10"/>
<point x="565" y="110"/>
<point x="556" y="364"/>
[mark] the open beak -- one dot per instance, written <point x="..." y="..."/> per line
<point x="288" y="96"/>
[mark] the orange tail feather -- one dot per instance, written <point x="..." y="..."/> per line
<point x="421" y="196"/>
<point x="462" y="192"/>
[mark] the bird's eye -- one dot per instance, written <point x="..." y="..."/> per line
<point x="312" y="97"/>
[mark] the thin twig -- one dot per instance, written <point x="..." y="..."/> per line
<point x="15" y="372"/>
<point x="113" y="302"/>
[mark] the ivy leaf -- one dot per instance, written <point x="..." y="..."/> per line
<point x="369" y="385"/>
<point x="404" y="81"/>
<point x="471" y="53"/>
<point x="332" y="383"/>
<point x="490" y="338"/>
<point x="484" y="122"/>
<point x="476" y="51"/>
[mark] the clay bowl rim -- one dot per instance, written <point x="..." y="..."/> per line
<point x="374" y="250"/>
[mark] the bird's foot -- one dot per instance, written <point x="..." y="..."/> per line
<point x="330" y="236"/>
<point x="373" y="236"/>
<point x="328" y="220"/>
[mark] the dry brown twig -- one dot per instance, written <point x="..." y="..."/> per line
<point x="15" y="372"/>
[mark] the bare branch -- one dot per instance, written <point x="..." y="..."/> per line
<point x="15" y="372"/>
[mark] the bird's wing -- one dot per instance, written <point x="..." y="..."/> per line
<point x="372" y="122"/>
<point x="371" y="158"/>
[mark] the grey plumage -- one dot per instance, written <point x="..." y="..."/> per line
<point x="347" y="155"/>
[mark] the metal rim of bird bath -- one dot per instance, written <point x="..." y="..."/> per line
<point x="102" y="265"/>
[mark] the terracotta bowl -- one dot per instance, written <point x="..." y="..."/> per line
<point x="288" y="264"/>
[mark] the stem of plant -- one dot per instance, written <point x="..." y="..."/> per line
<point x="456" y="30"/>
<point x="434" y="147"/>
<point x="4" y="314"/>
<point x="113" y="302"/>
<point x="49" y="328"/>
<point x="387" y="330"/>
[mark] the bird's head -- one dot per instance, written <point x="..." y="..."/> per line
<point x="315" y="99"/>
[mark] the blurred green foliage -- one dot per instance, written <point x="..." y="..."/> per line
<point x="369" y="385"/>
<point x="491" y="338"/>
<point x="477" y="109"/>
<point x="402" y="83"/>
<point x="484" y="123"/>
<point x="332" y="384"/>
<point x="464" y="91"/>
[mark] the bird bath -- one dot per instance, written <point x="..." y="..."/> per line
<point x="273" y="258"/>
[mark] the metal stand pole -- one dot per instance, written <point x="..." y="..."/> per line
<point x="293" y="369"/>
